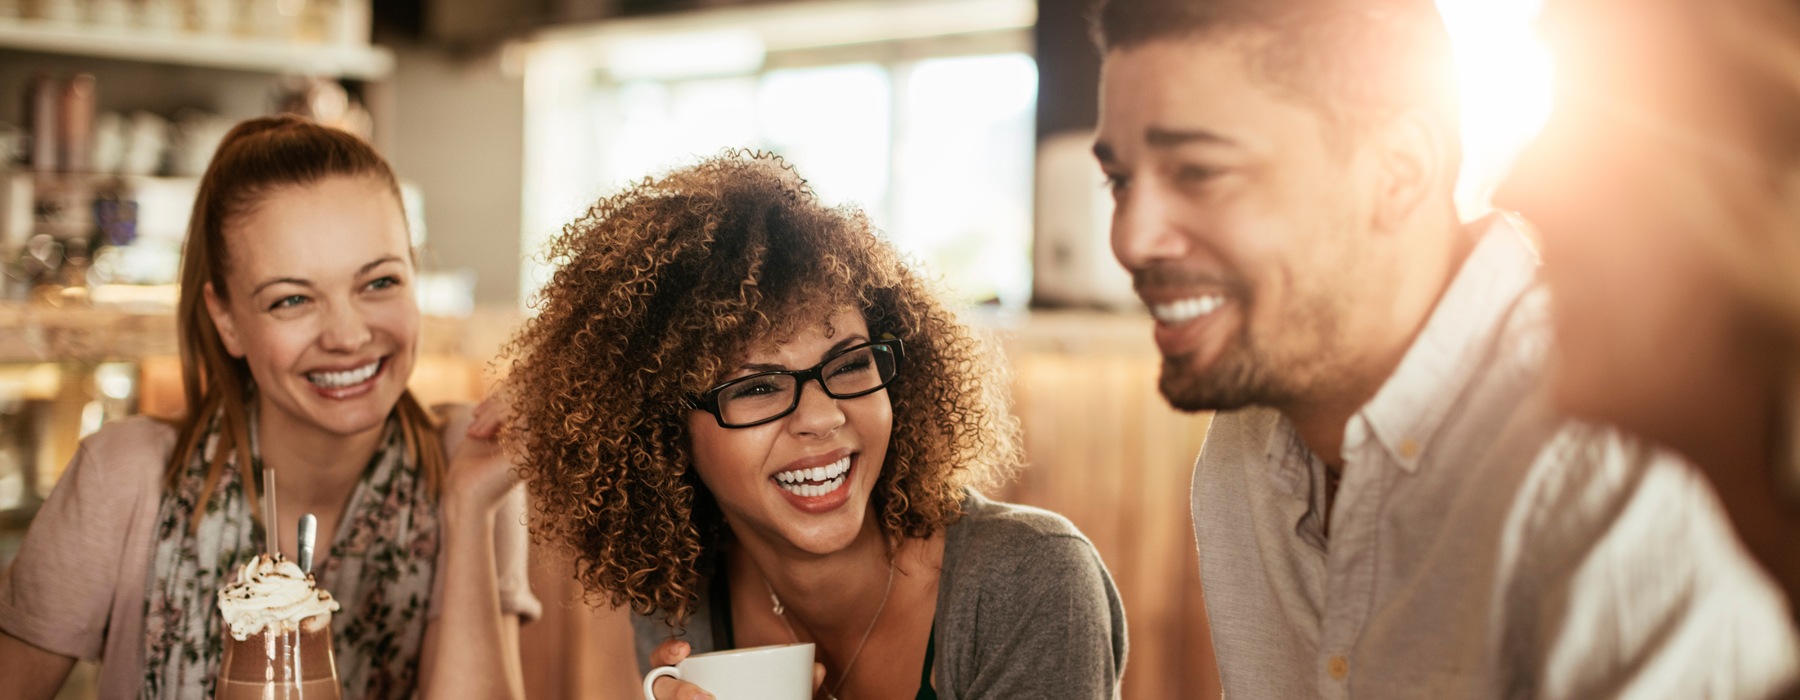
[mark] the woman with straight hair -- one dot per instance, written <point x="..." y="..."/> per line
<point x="298" y="331"/>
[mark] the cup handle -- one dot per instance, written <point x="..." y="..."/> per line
<point x="655" y="673"/>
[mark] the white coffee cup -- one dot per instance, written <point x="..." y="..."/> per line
<point x="777" y="672"/>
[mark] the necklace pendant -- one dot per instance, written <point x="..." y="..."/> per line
<point x="775" y="605"/>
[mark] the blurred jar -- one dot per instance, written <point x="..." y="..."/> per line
<point x="273" y="20"/>
<point x="112" y="15"/>
<point x="65" y="11"/>
<point x="212" y="17"/>
<point x="157" y="16"/>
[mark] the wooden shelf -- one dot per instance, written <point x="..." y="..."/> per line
<point x="359" y="62"/>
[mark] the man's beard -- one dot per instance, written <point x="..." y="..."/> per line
<point x="1247" y="374"/>
<point x="1234" y="381"/>
<point x="1251" y="370"/>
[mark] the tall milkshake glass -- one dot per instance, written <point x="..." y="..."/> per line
<point x="278" y="641"/>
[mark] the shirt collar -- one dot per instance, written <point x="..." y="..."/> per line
<point x="1452" y="347"/>
<point x="1286" y="454"/>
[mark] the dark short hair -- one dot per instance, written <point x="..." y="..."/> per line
<point x="1359" y="62"/>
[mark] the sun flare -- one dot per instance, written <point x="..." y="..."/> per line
<point x="1504" y="69"/>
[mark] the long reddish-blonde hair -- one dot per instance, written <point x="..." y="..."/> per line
<point x="256" y="158"/>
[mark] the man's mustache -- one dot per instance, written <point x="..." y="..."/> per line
<point x="1159" y="277"/>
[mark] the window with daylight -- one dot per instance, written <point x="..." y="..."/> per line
<point x="920" y="115"/>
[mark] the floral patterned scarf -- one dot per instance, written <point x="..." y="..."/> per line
<point x="379" y="568"/>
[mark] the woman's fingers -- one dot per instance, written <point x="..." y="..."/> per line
<point x="480" y="473"/>
<point x="671" y="689"/>
<point x="818" y="677"/>
<point x="487" y="418"/>
<point x="670" y="652"/>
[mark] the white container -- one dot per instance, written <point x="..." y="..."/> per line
<point x="1072" y="260"/>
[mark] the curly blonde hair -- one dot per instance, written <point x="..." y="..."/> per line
<point x="658" y="291"/>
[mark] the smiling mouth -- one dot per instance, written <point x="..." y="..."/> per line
<point x="816" y="481"/>
<point x="1180" y="311"/>
<point x="346" y="378"/>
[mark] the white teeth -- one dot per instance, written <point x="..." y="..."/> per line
<point x="806" y="490"/>
<point x="338" y="380"/>
<point x="815" y="481"/>
<point x="1181" y="311"/>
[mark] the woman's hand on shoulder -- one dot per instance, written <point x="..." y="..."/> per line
<point x="489" y="416"/>
<point x="481" y="472"/>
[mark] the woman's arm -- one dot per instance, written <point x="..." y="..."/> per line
<point x="481" y="656"/>
<point x="57" y="598"/>
<point x="32" y="672"/>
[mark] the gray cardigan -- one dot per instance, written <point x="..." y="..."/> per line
<point x="1025" y="608"/>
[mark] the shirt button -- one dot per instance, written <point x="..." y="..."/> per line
<point x="1409" y="448"/>
<point x="1338" y="667"/>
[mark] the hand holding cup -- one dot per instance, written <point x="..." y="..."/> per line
<point x="777" y="672"/>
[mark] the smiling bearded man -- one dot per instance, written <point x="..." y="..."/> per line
<point x="1386" y="505"/>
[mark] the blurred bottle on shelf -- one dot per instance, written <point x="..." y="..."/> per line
<point x="41" y="122"/>
<point x="75" y="124"/>
<point x="60" y="122"/>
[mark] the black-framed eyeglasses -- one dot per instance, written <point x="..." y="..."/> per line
<point x="858" y="370"/>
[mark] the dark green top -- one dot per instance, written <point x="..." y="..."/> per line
<point x="926" y="692"/>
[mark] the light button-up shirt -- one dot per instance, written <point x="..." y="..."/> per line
<point x="1481" y="546"/>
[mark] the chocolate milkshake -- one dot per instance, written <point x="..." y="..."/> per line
<point x="279" y="644"/>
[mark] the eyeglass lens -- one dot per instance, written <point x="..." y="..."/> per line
<point x="764" y="396"/>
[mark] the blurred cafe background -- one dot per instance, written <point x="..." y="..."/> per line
<point x="962" y="126"/>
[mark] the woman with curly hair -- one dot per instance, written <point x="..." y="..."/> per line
<point x="753" y="424"/>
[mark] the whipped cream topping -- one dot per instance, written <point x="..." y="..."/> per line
<point x="270" y="593"/>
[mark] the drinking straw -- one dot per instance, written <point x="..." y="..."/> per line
<point x="270" y="537"/>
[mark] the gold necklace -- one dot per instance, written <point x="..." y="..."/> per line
<point x="781" y="612"/>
